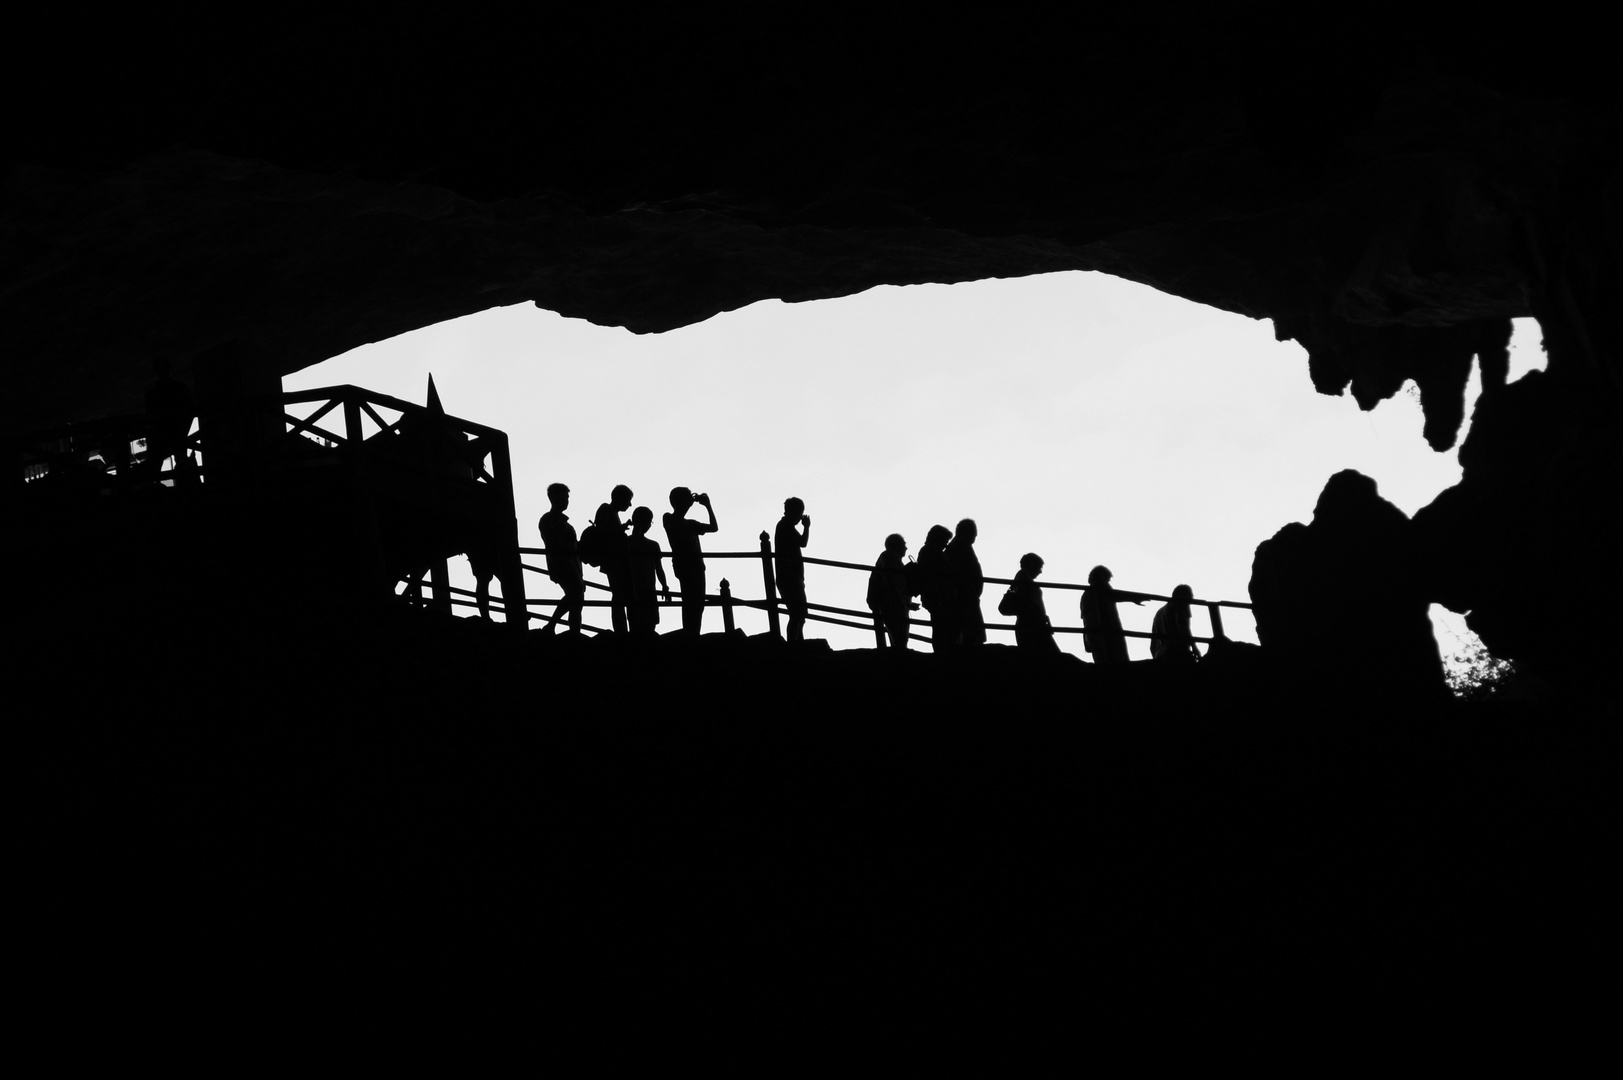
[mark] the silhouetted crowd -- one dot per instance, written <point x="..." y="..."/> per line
<point x="946" y="580"/>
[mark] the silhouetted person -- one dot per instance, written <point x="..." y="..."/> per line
<point x="890" y="591"/>
<point x="1102" y="634"/>
<point x="792" y="533"/>
<point x="643" y="569"/>
<point x="563" y="558"/>
<point x="964" y="569"/>
<point x="1024" y="601"/>
<point x="936" y="590"/>
<point x="611" y="537"/>
<point x="687" y="558"/>
<point x="170" y="412"/>
<point x="1170" y="637"/>
<point x="483" y="564"/>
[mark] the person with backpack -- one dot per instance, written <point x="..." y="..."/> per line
<point x="609" y="540"/>
<point x="1024" y="601"/>
<point x="563" y="558"/>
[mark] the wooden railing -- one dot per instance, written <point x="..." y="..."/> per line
<point x="364" y="429"/>
<point x="113" y="452"/>
<point x="848" y="617"/>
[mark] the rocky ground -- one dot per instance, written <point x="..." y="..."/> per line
<point x="357" y="804"/>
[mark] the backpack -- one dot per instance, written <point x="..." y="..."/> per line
<point x="590" y="546"/>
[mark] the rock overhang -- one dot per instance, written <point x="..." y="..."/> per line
<point x="1378" y="191"/>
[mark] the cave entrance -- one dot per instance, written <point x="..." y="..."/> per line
<point x="1083" y="417"/>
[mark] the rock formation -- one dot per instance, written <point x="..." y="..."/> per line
<point x="1341" y="600"/>
<point x="1527" y="542"/>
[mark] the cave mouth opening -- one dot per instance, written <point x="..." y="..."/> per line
<point x="1080" y="416"/>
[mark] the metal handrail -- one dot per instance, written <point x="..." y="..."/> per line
<point x="1121" y="593"/>
<point x="776" y="607"/>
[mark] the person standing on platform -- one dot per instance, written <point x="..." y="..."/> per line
<point x="611" y="539"/>
<point x="890" y="591"/>
<point x="563" y="558"/>
<point x="964" y="567"/>
<point x="483" y="560"/>
<point x="1024" y="601"/>
<point x="643" y="558"/>
<point x="792" y="534"/>
<point x="687" y="558"/>
<point x="1101" y="623"/>
<point x="1170" y="637"/>
<point x="935" y="589"/>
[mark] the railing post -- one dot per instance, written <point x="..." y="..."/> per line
<point x="726" y="606"/>
<point x="440" y="575"/>
<point x="771" y="584"/>
<point x="366" y="537"/>
<point x="1217" y="620"/>
<point x="511" y="574"/>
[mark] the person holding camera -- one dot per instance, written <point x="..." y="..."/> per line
<point x="687" y="558"/>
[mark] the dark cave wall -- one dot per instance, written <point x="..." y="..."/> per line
<point x="348" y="173"/>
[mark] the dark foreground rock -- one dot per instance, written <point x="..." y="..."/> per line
<point x="1344" y="598"/>
<point x="345" y="808"/>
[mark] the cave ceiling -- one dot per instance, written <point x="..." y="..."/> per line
<point x="342" y="174"/>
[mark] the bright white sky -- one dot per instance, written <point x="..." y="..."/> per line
<point x="1083" y="417"/>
